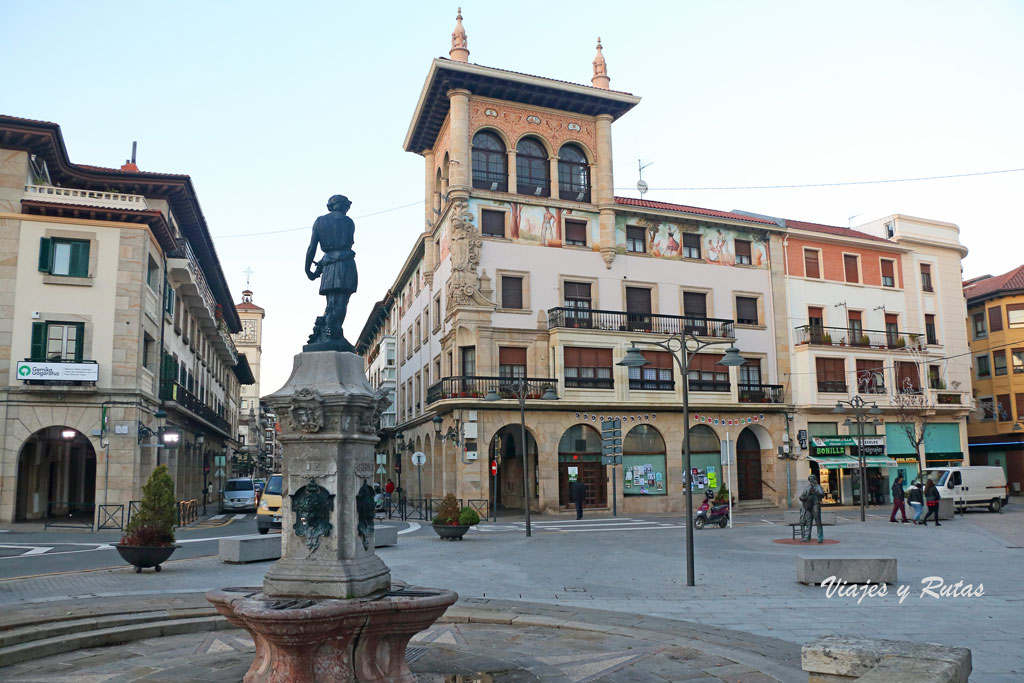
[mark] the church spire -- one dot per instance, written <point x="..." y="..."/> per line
<point x="459" y="51"/>
<point x="600" y="78"/>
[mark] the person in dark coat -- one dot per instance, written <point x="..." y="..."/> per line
<point x="931" y="498"/>
<point x="578" y="492"/>
<point x="916" y="500"/>
<point x="898" y="496"/>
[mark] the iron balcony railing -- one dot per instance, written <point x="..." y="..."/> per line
<point x="858" y="338"/>
<point x="623" y="321"/>
<point x="832" y="387"/>
<point x="172" y="391"/>
<point x="477" y="387"/>
<point x="709" y="385"/>
<point x="760" y="393"/>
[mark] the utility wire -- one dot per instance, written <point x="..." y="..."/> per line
<point x="850" y="182"/>
<point x="306" y="227"/>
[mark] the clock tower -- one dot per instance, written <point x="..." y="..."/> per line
<point x="249" y="341"/>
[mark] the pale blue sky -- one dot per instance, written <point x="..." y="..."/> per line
<point x="273" y="107"/>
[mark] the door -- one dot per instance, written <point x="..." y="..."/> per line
<point x="748" y="466"/>
<point x="594" y="478"/>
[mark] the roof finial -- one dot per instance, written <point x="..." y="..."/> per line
<point x="459" y="51"/>
<point x="600" y="78"/>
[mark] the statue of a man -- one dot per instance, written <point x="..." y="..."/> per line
<point x="334" y="232"/>
<point x="810" y="510"/>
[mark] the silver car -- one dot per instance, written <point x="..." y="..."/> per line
<point x="239" y="495"/>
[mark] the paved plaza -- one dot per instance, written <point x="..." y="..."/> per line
<point x="636" y="568"/>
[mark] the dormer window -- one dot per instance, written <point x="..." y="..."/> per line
<point x="490" y="170"/>
<point x="573" y="174"/>
<point x="532" y="168"/>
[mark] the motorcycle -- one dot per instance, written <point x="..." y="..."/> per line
<point x="709" y="513"/>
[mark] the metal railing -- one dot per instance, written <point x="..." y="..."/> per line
<point x="623" y="321"/>
<point x="110" y="517"/>
<point x="834" y="387"/>
<point x="424" y="508"/>
<point x="172" y="391"/>
<point x="133" y="508"/>
<point x="481" y="506"/>
<point x="709" y="385"/>
<point x="69" y="514"/>
<point x="760" y="393"/>
<point x="857" y="338"/>
<point x="188" y="511"/>
<point x="477" y="387"/>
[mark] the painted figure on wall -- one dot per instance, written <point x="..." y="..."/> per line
<point x="716" y="246"/>
<point x="547" y="227"/>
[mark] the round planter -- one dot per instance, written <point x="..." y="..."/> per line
<point x="144" y="556"/>
<point x="451" y="532"/>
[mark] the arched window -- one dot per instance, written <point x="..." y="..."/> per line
<point x="532" y="168"/>
<point x="573" y="174"/>
<point x="489" y="162"/>
<point x="643" y="463"/>
<point x="706" y="459"/>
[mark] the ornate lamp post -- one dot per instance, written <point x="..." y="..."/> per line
<point x="860" y="409"/>
<point x="453" y="434"/>
<point x="519" y="388"/>
<point x="683" y="347"/>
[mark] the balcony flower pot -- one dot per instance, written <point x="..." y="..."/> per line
<point x="145" y="556"/>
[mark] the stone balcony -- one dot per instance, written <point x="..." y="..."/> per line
<point x="68" y="195"/>
<point x="184" y="271"/>
<point x="624" y="321"/>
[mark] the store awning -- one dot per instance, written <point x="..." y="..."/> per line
<point x="834" y="462"/>
<point x="879" y="461"/>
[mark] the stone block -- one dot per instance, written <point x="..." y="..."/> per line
<point x="874" y="660"/>
<point x="814" y="570"/>
<point x="384" y="536"/>
<point x="793" y="517"/>
<point x="256" y="548"/>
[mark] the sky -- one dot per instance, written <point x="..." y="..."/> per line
<point x="272" y="107"/>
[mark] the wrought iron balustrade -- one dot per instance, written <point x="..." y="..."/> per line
<point x="858" y="338"/>
<point x="623" y="321"/>
<point x="477" y="387"/>
<point x="709" y="385"/>
<point x="760" y="393"/>
<point x="832" y="387"/>
<point x="172" y="391"/>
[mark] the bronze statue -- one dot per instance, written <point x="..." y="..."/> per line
<point x="365" y="507"/>
<point x="334" y="232"/>
<point x="810" y="510"/>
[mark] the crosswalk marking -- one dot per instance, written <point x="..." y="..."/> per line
<point x="239" y="516"/>
<point x="572" y="526"/>
<point x="217" y="517"/>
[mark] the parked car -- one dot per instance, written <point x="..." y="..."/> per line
<point x="268" y="516"/>
<point x="238" y="495"/>
<point x="971" y="486"/>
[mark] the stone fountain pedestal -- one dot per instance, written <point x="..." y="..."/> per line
<point x="328" y="609"/>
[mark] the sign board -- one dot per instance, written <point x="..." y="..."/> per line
<point x="611" y="459"/>
<point x="58" y="372"/>
<point x="728" y="451"/>
<point x="219" y="460"/>
<point x="494" y="467"/>
<point x="611" y="441"/>
<point x="220" y="473"/>
<point x="124" y="428"/>
<point x="382" y="458"/>
<point x="574" y="474"/>
<point x="380" y="469"/>
<point x="418" y="458"/>
<point x="829" y="441"/>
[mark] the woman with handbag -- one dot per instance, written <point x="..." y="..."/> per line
<point x="931" y="497"/>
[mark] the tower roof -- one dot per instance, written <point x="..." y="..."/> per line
<point x="600" y="78"/>
<point x="460" y="44"/>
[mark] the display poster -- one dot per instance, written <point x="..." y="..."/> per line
<point x="574" y="473"/>
<point x="644" y="475"/>
<point x="712" y="478"/>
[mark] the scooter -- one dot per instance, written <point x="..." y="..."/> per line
<point x="708" y="513"/>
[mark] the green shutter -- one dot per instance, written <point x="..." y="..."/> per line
<point x="38" y="341"/>
<point x="79" y="340"/>
<point x="45" y="255"/>
<point x="79" y="259"/>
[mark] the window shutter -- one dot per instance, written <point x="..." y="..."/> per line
<point x="79" y="259"/>
<point x="576" y="231"/>
<point x="638" y="300"/>
<point x="38" y="340"/>
<point x="850" y="267"/>
<point x="695" y="304"/>
<point x="995" y="319"/>
<point x="79" y="341"/>
<point x="811" y="268"/>
<point x="743" y="248"/>
<point x="572" y="357"/>
<point x="887" y="270"/>
<point x="45" y="255"/>
<point x="511" y="356"/>
<point x="511" y="292"/>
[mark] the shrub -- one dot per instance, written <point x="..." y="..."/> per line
<point x="153" y="524"/>
<point x="448" y="513"/>
<point x="469" y="517"/>
<point x="723" y="495"/>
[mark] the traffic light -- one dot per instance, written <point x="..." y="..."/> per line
<point x="398" y="464"/>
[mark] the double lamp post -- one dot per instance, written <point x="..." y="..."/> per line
<point x="860" y="409"/>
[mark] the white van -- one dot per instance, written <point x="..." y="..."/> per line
<point x="970" y="486"/>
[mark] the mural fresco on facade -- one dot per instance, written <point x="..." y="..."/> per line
<point x="542" y="225"/>
<point x="664" y="240"/>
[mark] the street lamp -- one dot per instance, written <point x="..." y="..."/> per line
<point x="860" y="409"/>
<point x="681" y="344"/>
<point x="520" y="388"/>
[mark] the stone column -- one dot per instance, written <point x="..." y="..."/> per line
<point x="512" y="177"/>
<point x="429" y="218"/>
<point x="327" y="548"/>
<point x="459" y="176"/>
<point x="604" y="188"/>
<point x="553" y="184"/>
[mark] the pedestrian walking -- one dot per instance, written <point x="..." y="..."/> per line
<point x="389" y="488"/>
<point x="931" y="498"/>
<point x="578" y="492"/>
<point x="898" y="496"/>
<point x="916" y="500"/>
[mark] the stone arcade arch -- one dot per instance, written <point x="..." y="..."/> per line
<point x="56" y="475"/>
<point x="579" y="454"/>
<point x="506" y="442"/>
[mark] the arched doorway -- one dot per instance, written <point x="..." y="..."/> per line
<point x="643" y="463"/>
<point x="579" y="455"/>
<point x="748" y="466"/>
<point x="706" y="458"/>
<point x="507" y="445"/>
<point x="56" y="475"/>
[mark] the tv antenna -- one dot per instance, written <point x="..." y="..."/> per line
<point x="641" y="186"/>
<point x="849" y="221"/>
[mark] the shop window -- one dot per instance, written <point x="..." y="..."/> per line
<point x="746" y="311"/>
<point x="691" y="245"/>
<point x="929" y="329"/>
<point x="511" y="292"/>
<point x="982" y="367"/>
<point x="656" y="375"/>
<point x="888" y="273"/>
<point x="636" y="240"/>
<point x="706" y="472"/>
<point x="1015" y="315"/>
<point x="999" y="362"/>
<point x="492" y="223"/>
<point x="870" y="377"/>
<point x="1003" y="410"/>
<point x="573" y="174"/>
<point x="831" y="375"/>
<point x="59" y="256"/>
<point x="995" y="319"/>
<point x="532" y="168"/>
<point x="511" y="361"/>
<point x="489" y="162"/>
<point x="926" y="277"/>
<point x="57" y="341"/>
<point x="812" y="268"/>
<point x="851" y="267"/>
<point x="576" y="233"/>
<point x="587" y="368"/>
<point x="743" y="252"/>
<point x="707" y="375"/>
<point x="643" y="462"/>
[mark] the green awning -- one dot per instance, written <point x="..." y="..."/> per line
<point x="834" y="462"/>
<point x="879" y="461"/>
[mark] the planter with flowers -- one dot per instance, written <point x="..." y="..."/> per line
<point x="149" y="537"/>
<point x="451" y="523"/>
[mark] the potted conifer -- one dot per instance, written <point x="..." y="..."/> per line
<point x="148" y="539"/>
<point x="451" y="523"/>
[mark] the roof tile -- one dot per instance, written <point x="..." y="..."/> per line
<point x="665" y="206"/>
<point x="1007" y="282"/>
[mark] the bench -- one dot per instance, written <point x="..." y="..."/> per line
<point x="814" y="570"/>
<point x="792" y="519"/>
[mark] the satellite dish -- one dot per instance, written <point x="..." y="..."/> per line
<point x="641" y="186"/>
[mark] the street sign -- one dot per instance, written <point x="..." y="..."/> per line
<point x="494" y="467"/>
<point x="382" y="458"/>
<point x="418" y="458"/>
<point x="611" y="459"/>
<point x="220" y="473"/>
<point x="380" y="469"/>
